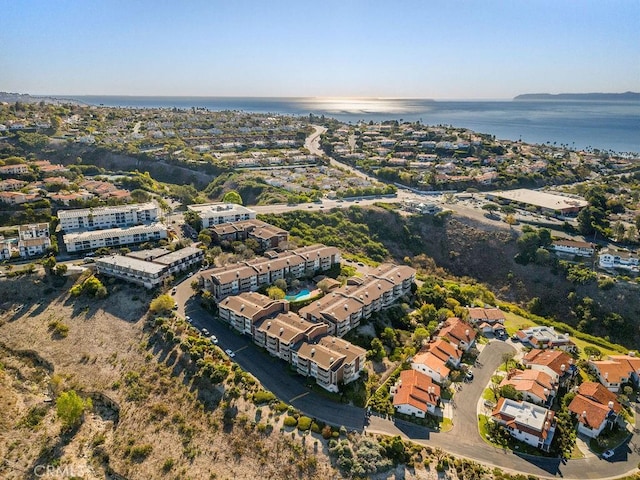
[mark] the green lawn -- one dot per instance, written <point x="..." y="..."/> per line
<point x="608" y="440"/>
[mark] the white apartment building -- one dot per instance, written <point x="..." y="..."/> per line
<point x="149" y="272"/>
<point x="113" y="237"/>
<point x="218" y="213"/>
<point x="108" y="217"/>
<point x="618" y="259"/>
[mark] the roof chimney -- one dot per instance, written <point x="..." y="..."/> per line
<point x="610" y="404"/>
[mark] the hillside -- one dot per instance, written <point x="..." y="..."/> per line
<point x="460" y="247"/>
<point x="626" y="96"/>
<point x="153" y="417"/>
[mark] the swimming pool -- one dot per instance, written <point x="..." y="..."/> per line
<point x="301" y="295"/>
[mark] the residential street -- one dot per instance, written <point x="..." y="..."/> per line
<point x="463" y="440"/>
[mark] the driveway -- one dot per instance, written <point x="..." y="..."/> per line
<point x="463" y="440"/>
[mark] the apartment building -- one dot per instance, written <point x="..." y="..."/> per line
<point x="243" y="311"/>
<point x="303" y="344"/>
<point x="219" y="213"/>
<point x="280" y="335"/>
<point x="344" y="308"/>
<point x="108" y="217"/>
<point x="268" y="236"/>
<point x="251" y="275"/>
<point x="113" y="237"/>
<point x="150" y="270"/>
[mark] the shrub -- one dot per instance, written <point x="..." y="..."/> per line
<point x="58" y="329"/>
<point x="140" y="452"/>
<point x="70" y="407"/>
<point x="315" y="428"/>
<point x="262" y="397"/>
<point x="326" y="432"/>
<point x="290" y="421"/>
<point x="304" y="423"/>
<point x="34" y="417"/>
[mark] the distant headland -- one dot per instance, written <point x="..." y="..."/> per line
<point x="626" y="96"/>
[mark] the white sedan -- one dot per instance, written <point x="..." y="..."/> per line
<point x="229" y="352"/>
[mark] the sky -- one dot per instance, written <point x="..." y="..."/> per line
<point x="476" y="49"/>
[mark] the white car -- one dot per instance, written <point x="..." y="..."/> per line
<point x="188" y="318"/>
<point x="205" y="331"/>
<point x="229" y="352"/>
<point x="213" y="339"/>
<point x="608" y="454"/>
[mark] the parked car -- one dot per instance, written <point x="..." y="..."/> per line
<point x="608" y="454"/>
<point x="188" y="318"/>
<point x="214" y="339"/>
<point x="468" y="375"/>
<point x="205" y="331"/>
<point x="174" y="290"/>
<point x="229" y="352"/>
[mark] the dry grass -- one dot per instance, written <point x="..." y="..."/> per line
<point x="167" y="422"/>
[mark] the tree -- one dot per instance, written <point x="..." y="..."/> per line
<point x="70" y="408"/>
<point x="509" y="391"/>
<point x="281" y="283"/>
<point x="377" y="351"/>
<point x="205" y="238"/>
<point x="60" y="269"/>
<point x="193" y="220"/>
<point x="420" y="335"/>
<point x="506" y="359"/>
<point x="232" y="197"/>
<point x="590" y="351"/>
<point x="275" y="293"/>
<point x="162" y="304"/>
<point x="324" y="285"/>
<point x="49" y="264"/>
<point x="491" y="208"/>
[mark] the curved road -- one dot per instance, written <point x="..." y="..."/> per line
<point x="463" y="440"/>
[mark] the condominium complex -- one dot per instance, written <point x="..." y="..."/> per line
<point x="218" y="213"/>
<point x="152" y="270"/>
<point x="107" y="217"/>
<point x="303" y="344"/>
<point x="267" y="236"/>
<point x="344" y="308"/>
<point x="251" y="275"/>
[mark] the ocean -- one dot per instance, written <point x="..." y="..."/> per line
<point x="605" y="125"/>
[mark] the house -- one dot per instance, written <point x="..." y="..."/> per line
<point x="34" y="246"/>
<point x="6" y="248"/>
<point x="529" y="423"/>
<point x="432" y="360"/>
<point x="415" y="394"/>
<point x="33" y="230"/>
<point x="595" y="408"/>
<point x="18" y="198"/>
<point x="545" y="337"/>
<point x="11" y="184"/>
<point x="617" y="370"/>
<point x="535" y="386"/>
<point x="618" y="259"/>
<point x="459" y="333"/>
<point x="489" y="315"/>
<point x="581" y="249"/>
<point x="17" y="169"/>
<point x="555" y="363"/>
